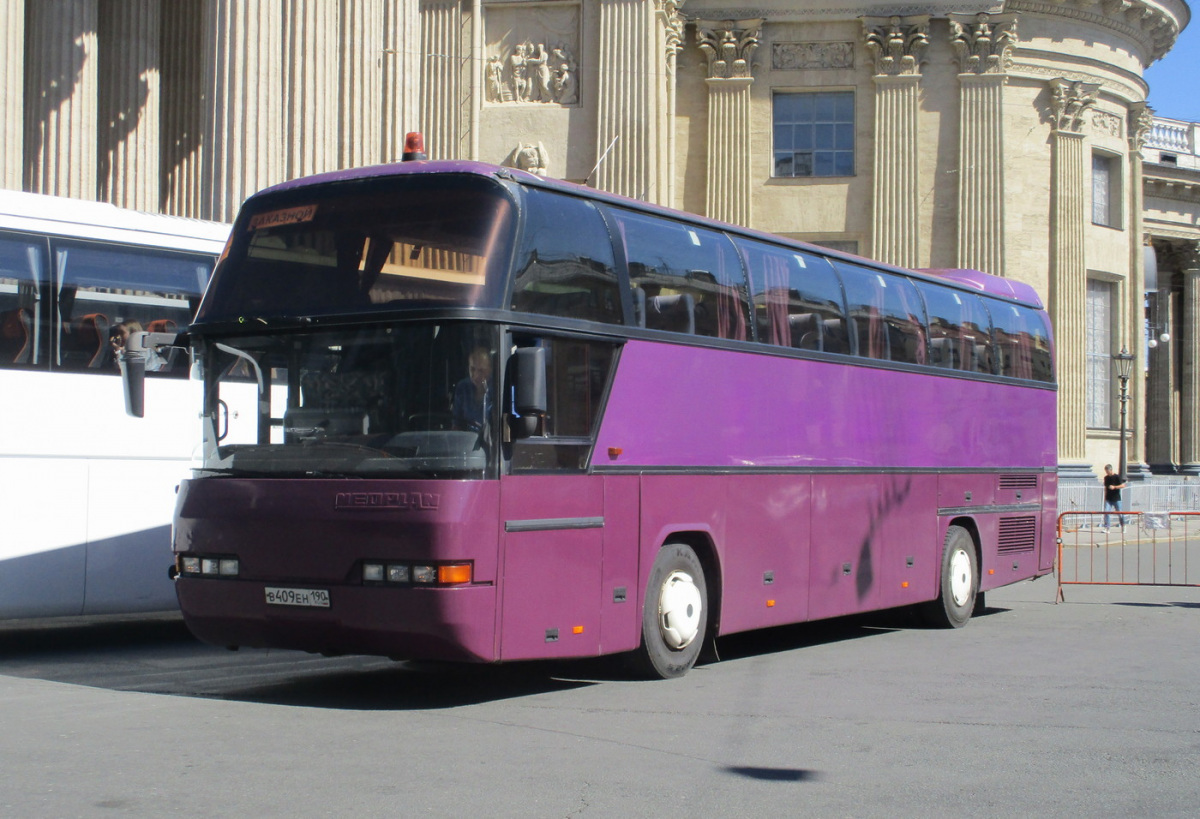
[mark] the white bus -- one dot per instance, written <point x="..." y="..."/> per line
<point x="86" y="492"/>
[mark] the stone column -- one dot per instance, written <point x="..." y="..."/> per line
<point x="729" y="47"/>
<point x="12" y="94"/>
<point x="310" y="67"/>
<point x="983" y="44"/>
<point x="183" y="111"/>
<point x="1141" y="119"/>
<point x="60" y="98"/>
<point x="243" y="81"/>
<point x="361" y="115"/>
<point x="671" y="23"/>
<point x="1189" y="381"/>
<point x="632" y="98"/>
<point x="401" y="75"/>
<point x="897" y="45"/>
<point x="442" y="83"/>
<point x="129" y="104"/>
<point x="1068" y="269"/>
<point x="1162" y="439"/>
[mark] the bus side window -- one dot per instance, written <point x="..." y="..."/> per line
<point x="565" y="265"/>
<point x="960" y="335"/>
<point x="691" y="279"/>
<point x="1022" y="344"/>
<point x="22" y="276"/>
<point x="886" y="314"/>
<point x="577" y="375"/>
<point x="797" y="298"/>
<point x="103" y="290"/>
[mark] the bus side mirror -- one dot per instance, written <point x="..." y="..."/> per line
<point x="133" y="381"/>
<point x="530" y="399"/>
<point x="132" y="361"/>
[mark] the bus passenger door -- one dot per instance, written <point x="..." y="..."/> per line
<point x="551" y="564"/>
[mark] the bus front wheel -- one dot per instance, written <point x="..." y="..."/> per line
<point x="674" y="615"/>
<point x="959" y="585"/>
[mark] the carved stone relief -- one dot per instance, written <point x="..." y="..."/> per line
<point x="802" y="56"/>
<point x="529" y="157"/>
<point x="1106" y="123"/>
<point x="531" y="55"/>
<point x="1141" y="120"/>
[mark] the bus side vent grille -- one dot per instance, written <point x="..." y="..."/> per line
<point x="1023" y="480"/>
<point x="1017" y="534"/>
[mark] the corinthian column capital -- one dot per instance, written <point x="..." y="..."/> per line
<point x="897" y="44"/>
<point x="729" y="46"/>
<point x="983" y="43"/>
<point x="1141" y="120"/>
<point x="1069" y="101"/>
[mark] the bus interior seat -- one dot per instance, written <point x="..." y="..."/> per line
<point x="806" y="331"/>
<point x="834" y="334"/>
<point x="15" y="334"/>
<point x="162" y="326"/>
<point x="91" y="338"/>
<point x="942" y="352"/>
<point x="676" y="312"/>
<point x="431" y="421"/>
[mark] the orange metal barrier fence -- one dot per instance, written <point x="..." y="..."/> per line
<point x="1128" y="549"/>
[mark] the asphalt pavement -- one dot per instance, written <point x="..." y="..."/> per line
<point x="1086" y="708"/>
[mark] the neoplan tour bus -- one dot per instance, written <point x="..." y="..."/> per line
<point x="86" y="492"/>
<point x="501" y="417"/>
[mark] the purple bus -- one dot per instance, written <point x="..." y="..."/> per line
<point x="457" y="411"/>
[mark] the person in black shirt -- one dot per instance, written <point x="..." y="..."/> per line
<point x="1113" y="484"/>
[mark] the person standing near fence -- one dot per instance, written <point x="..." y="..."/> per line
<point x="1113" y="484"/>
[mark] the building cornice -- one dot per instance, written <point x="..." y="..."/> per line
<point x="1154" y="26"/>
<point x="1157" y="184"/>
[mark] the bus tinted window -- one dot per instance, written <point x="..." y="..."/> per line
<point x="885" y="313"/>
<point x="22" y="290"/>
<point x="565" y="265"/>
<point x="797" y="298"/>
<point x="102" y="289"/>
<point x="959" y="330"/>
<point x="1022" y="343"/>
<point x="357" y="248"/>
<point x="685" y="278"/>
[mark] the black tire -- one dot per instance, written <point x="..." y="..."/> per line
<point x="672" y="639"/>
<point x="959" y="584"/>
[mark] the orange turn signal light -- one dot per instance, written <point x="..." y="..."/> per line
<point x="454" y="573"/>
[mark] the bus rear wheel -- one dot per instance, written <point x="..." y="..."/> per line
<point x="674" y="615"/>
<point x="959" y="584"/>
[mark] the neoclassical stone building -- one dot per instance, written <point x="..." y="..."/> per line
<point x="1006" y="136"/>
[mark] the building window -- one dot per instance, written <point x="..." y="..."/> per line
<point x="1106" y="190"/>
<point x="1099" y="329"/>
<point x="814" y="134"/>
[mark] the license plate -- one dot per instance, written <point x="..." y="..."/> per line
<point x="314" y="598"/>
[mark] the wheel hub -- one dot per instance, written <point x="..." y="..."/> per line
<point x="679" y="610"/>
<point x="961" y="580"/>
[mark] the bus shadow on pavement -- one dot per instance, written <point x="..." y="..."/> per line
<point x="159" y="656"/>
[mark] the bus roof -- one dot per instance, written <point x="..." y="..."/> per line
<point x="1009" y="289"/>
<point x="82" y="219"/>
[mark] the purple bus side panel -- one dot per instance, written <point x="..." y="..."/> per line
<point x="551" y="585"/>
<point x="620" y="617"/>
<point x="866" y="531"/>
<point x="688" y="407"/>
<point x="765" y="554"/>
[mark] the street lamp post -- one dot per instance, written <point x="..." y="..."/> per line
<point x="1124" y="362"/>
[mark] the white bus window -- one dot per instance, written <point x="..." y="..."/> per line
<point x="22" y="277"/>
<point x="106" y="292"/>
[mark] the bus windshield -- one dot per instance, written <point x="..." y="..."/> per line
<point x="362" y="247"/>
<point x="383" y="400"/>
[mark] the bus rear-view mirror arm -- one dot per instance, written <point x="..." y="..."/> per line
<point x="132" y="361"/>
